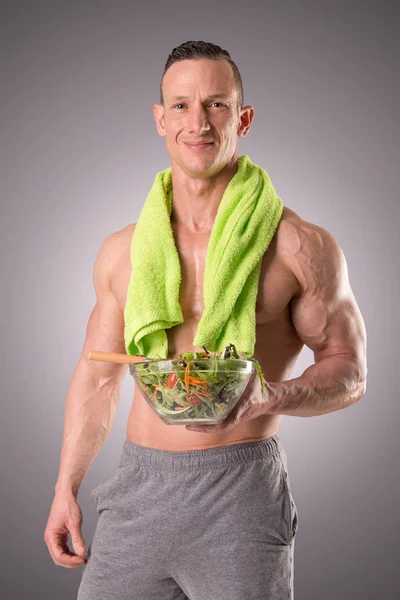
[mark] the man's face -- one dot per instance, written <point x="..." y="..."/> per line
<point x="200" y="105"/>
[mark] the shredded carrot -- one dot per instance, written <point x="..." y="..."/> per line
<point x="220" y="408"/>
<point x="203" y="393"/>
<point x="187" y="376"/>
<point x="180" y="408"/>
<point x="181" y="400"/>
<point x="198" y="380"/>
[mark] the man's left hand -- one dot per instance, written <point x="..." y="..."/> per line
<point x="252" y="404"/>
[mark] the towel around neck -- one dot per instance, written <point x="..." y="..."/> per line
<point x="245" y="223"/>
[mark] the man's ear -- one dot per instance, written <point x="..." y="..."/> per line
<point x="246" y="118"/>
<point x="158" y="112"/>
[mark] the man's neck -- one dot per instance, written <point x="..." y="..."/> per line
<point x="196" y="200"/>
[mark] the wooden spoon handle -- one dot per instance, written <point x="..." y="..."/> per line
<point x="114" y="357"/>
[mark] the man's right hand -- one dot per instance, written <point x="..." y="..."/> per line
<point x="65" y="518"/>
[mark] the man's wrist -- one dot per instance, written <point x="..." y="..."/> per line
<point x="69" y="488"/>
<point x="270" y="398"/>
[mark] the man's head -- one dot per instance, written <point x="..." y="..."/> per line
<point x="201" y="95"/>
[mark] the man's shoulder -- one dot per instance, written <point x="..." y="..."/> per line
<point x="293" y="232"/>
<point x="116" y="247"/>
<point x="301" y="243"/>
<point x="117" y="241"/>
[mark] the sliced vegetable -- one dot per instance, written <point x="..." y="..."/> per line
<point x="172" y="379"/>
<point x="201" y="385"/>
<point x="193" y="399"/>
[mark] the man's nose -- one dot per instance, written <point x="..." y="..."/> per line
<point x="198" y="120"/>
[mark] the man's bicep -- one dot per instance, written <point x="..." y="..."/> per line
<point x="105" y="328"/>
<point x="325" y="313"/>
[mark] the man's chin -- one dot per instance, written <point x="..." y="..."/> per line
<point x="197" y="165"/>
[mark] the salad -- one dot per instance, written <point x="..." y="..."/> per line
<point x="196" y="385"/>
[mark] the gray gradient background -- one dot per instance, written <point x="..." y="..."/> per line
<point x="79" y="152"/>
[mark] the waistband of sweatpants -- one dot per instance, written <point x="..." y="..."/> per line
<point x="207" y="458"/>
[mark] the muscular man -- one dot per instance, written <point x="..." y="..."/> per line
<point x="205" y="513"/>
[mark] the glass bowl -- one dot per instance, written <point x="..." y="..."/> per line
<point x="202" y="390"/>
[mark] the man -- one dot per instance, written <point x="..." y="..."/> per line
<point x="205" y="512"/>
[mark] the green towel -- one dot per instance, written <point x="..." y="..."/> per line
<point x="246" y="220"/>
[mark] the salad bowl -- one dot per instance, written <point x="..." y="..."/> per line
<point x="195" y="387"/>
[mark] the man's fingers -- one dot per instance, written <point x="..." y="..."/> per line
<point x="60" y="552"/>
<point x="78" y="542"/>
<point x="69" y="560"/>
<point x="65" y="519"/>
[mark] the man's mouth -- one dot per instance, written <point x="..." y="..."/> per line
<point x="199" y="146"/>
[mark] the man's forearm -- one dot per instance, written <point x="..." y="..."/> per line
<point x="89" y="416"/>
<point x="331" y="384"/>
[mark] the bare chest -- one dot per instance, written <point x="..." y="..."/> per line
<point x="277" y="286"/>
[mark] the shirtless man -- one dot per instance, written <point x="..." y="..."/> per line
<point x="304" y="297"/>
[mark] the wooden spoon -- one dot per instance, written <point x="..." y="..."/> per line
<point x="114" y="357"/>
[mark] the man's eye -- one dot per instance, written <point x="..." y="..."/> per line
<point x="176" y="105"/>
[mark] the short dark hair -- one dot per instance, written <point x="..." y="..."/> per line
<point x="197" y="50"/>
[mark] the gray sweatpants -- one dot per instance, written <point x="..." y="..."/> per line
<point x="213" y="524"/>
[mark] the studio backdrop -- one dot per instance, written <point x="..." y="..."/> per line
<point x="79" y="151"/>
